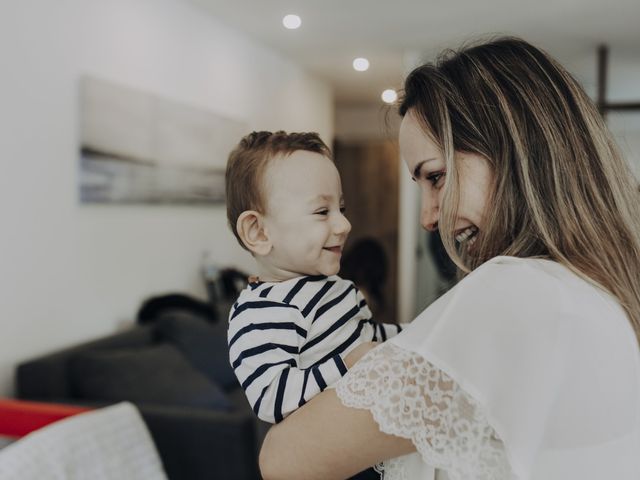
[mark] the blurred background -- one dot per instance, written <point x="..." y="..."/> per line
<point x="74" y="268"/>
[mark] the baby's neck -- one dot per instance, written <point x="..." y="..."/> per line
<point x="270" y="273"/>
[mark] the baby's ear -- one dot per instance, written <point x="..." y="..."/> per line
<point x="251" y="229"/>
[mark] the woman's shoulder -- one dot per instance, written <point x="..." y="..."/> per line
<point x="548" y="284"/>
<point x="535" y="268"/>
<point x="532" y="280"/>
<point x="510" y="278"/>
<point x="522" y="296"/>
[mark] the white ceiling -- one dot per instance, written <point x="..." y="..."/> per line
<point x="394" y="34"/>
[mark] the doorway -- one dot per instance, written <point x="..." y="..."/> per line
<point x="370" y="183"/>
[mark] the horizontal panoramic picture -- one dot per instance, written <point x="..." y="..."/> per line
<point x="139" y="148"/>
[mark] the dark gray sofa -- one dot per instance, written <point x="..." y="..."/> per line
<point x="194" y="442"/>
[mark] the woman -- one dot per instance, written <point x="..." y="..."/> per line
<point x="529" y="368"/>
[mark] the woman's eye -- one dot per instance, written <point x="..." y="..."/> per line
<point x="435" y="178"/>
<point x="324" y="211"/>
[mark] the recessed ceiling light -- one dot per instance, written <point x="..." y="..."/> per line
<point x="291" y="21"/>
<point x="361" y="64"/>
<point x="389" y="96"/>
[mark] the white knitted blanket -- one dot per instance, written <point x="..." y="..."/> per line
<point x="112" y="443"/>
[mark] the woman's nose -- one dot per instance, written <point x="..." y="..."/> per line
<point x="429" y="214"/>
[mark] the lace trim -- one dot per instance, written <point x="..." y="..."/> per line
<point x="410" y="398"/>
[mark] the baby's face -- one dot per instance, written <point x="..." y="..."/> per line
<point x="304" y="216"/>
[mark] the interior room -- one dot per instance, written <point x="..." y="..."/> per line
<point x="117" y="120"/>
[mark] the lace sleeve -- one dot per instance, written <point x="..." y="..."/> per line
<point x="411" y="398"/>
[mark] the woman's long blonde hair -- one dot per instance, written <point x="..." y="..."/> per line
<point x="561" y="189"/>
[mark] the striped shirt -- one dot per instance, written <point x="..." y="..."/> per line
<point x="287" y="339"/>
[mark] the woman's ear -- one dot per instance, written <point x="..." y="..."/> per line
<point x="251" y="229"/>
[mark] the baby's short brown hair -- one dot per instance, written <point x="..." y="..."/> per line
<point x="247" y="164"/>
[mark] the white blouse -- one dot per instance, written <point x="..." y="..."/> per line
<point x="522" y="371"/>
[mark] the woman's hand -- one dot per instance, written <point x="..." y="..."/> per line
<point x="358" y="352"/>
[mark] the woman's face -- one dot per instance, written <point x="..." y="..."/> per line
<point x="427" y="167"/>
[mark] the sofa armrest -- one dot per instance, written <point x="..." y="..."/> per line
<point x="47" y="376"/>
<point x="19" y="417"/>
<point x="199" y="444"/>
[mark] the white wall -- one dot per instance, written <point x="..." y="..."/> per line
<point x="361" y="123"/>
<point x="72" y="272"/>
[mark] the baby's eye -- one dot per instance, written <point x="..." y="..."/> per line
<point x="343" y="209"/>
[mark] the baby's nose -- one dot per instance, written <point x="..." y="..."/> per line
<point x="342" y="226"/>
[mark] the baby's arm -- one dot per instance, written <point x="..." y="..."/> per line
<point x="387" y="330"/>
<point x="382" y="331"/>
<point x="263" y="348"/>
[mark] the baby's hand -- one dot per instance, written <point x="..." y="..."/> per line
<point x="358" y="352"/>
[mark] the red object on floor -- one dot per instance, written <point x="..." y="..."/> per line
<point x="19" y="417"/>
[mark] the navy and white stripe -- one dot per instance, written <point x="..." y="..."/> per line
<point x="287" y="339"/>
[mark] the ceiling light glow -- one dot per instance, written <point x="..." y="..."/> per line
<point x="389" y="96"/>
<point x="361" y="64"/>
<point x="291" y="21"/>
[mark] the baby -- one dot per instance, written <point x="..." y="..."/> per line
<point x="294" y="324"/>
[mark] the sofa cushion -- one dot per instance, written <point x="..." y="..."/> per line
<point x="154" y="375"/>
<point x="202" y="343"/>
